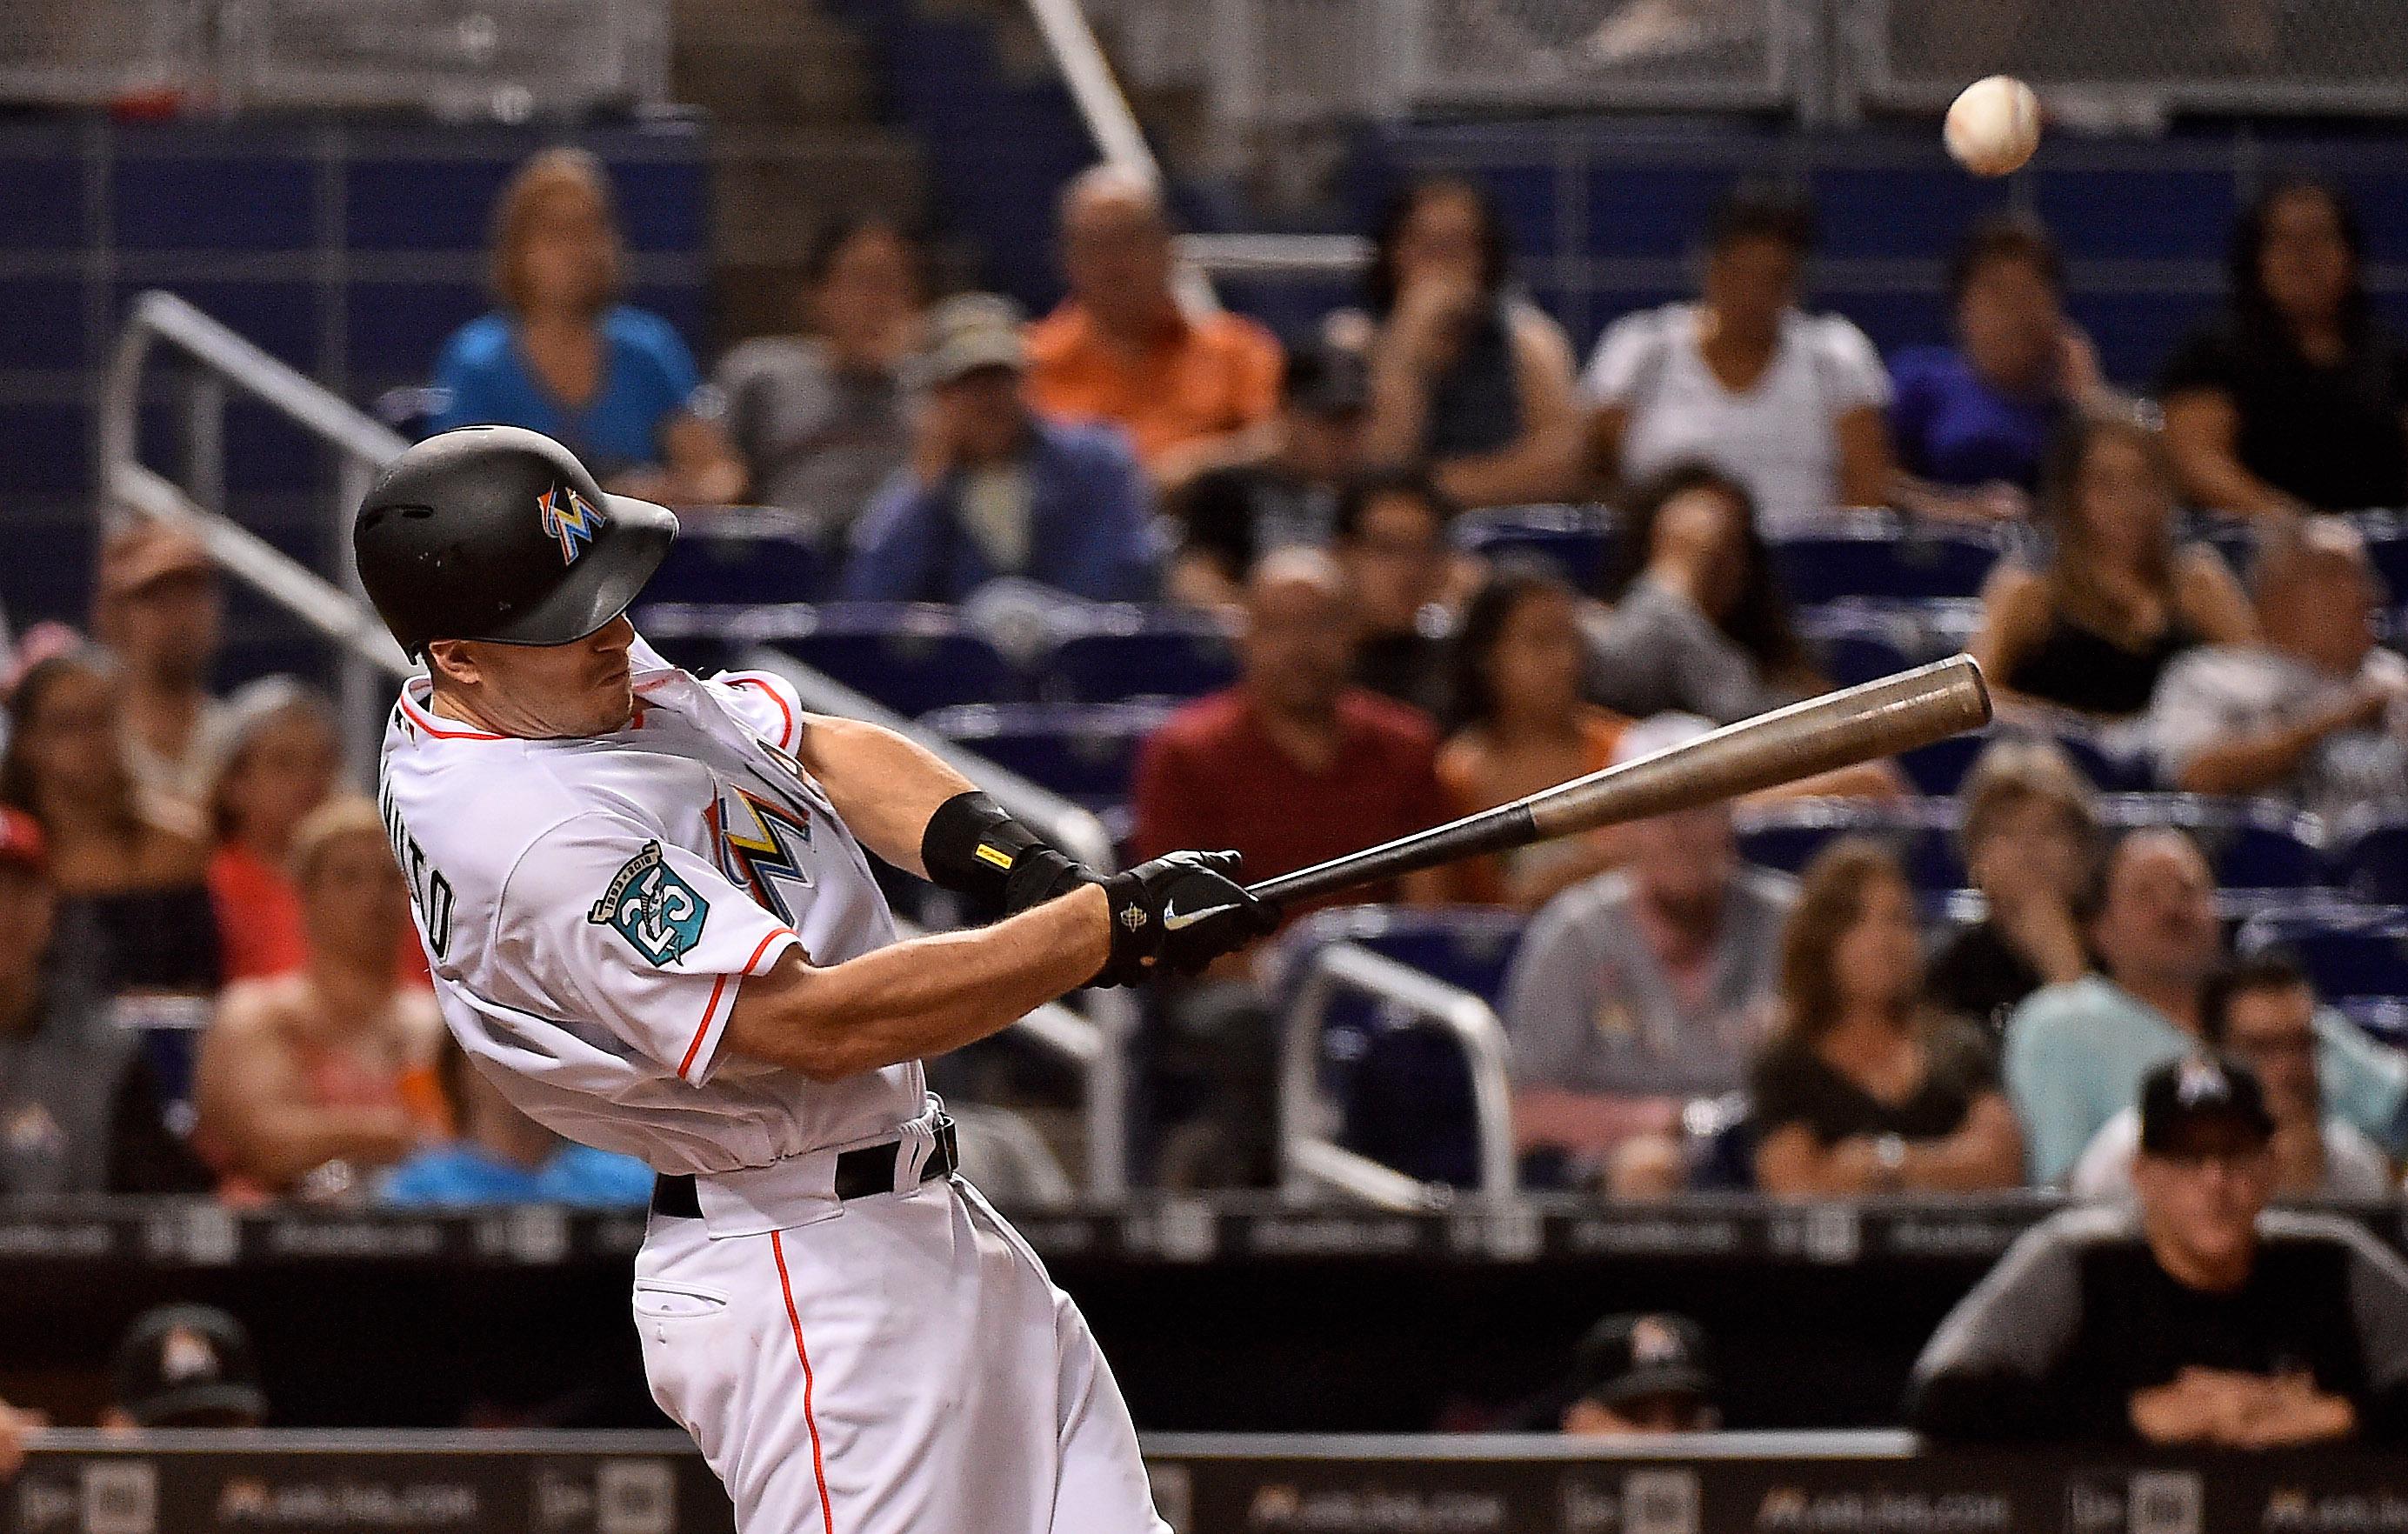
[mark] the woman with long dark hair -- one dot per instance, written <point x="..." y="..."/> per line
<point x="2120" y="595"/>
<point x="1467" y="377"/>
<point x="1522" y="726"/>
<point x="1866" y="1089"/>
<point x="127" y="874"/>
<point x="1698" y="624"/>
<point x="2296" y="397"/>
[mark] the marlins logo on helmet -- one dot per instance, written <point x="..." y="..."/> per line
<point x="570" y="518"/>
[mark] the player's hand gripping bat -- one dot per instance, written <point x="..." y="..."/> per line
<point x="1820" y="735"/>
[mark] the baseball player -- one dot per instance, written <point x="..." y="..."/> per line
<point x="647" y="902"/>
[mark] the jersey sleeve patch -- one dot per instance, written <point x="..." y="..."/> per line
<point x="649" y="905"/>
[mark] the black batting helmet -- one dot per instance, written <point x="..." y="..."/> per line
<point x="497" y="533"/>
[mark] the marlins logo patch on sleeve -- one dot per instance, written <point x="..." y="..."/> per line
<point x="658" y="912"/>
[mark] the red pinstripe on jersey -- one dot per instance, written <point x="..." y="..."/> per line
<point x="818" y="1465"/>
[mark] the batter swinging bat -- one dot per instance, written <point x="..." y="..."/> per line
<point x="1820" y="735"/>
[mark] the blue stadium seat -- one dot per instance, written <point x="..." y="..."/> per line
<point x="1939" y="768"/>
<point x="2349" y="949"/>
<point x="1922" y="832"/>
<point x="1403" y="1092"/>
<point x="911" y="656"/>
<point x="2371" y="857"/>
<point x="1576" y="539"/>
<point x="1878" y="554"/>
<point x="2250" y="843"/>
<point x="1858" y="641"/>
<point x="1139" y="652"/>
<point x="743" y="554"/>
<point x="1084" y="752"/>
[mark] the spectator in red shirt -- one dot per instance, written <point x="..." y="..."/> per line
<point x="1291" y="766"/>
<point x="1294" y="763"/>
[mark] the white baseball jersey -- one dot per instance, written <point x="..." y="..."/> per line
<point x="590" y="906"/>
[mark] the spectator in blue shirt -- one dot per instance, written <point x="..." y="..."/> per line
<point x="561" y="356"/>
<point x="1974" y="421"/>
<point x="503" y="1156"/>
<point x="994" y="489"/>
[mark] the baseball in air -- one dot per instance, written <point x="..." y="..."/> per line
<point x="1994" y="125"/>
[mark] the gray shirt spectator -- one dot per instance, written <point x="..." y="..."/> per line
<point x="1655" y="650"/>
<point x="822" y="420"/>
<point x="1594" y="1006"/>
<point x="820" y="438"/>
<point x="2315" y="711"/>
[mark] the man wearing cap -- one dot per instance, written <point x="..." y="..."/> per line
<point x="1232" y="515"/>
<point x="184" y="1365"/>
<point x="1639" y="1376"/>
<point x="79" y="1112"/>
<point x="1643" y="987"/>
<point x="994" y="489"/>
<point x="2194" y="1318"/>
<point x="158" y="611"/>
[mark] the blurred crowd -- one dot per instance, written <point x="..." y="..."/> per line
<point x="196" y="866"/>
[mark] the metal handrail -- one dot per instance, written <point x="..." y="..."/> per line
<point x="334" y="606"/>
<point x="1305" y="1156"/>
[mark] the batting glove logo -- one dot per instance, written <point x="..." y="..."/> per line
<point x="570" y="519"/>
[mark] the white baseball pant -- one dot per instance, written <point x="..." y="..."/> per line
<point x="903" y="1367"/>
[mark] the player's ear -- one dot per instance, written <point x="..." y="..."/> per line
<point x="452" y="660"/>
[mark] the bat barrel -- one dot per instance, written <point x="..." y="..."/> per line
<point x="1859" y="724"/>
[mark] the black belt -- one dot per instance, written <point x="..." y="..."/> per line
<point x="858" y="1173"/>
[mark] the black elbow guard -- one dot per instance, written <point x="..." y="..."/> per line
<point x="973" y="847"/>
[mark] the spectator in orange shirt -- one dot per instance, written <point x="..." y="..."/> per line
<point x="308" y="1080"/>
<point x="1194" y="392"/>
<point x="1524" y="727"/>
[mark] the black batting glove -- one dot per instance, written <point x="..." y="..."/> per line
<point x="1179" y="913"/>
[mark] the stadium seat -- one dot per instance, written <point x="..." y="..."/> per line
<point x="1858" y="641"/>
<point x="910" y="656"/>
<point x="743" y="554"/>
<point x="1124" y="652"/>
<point x="2387" y="543"/>
<point x="2369" y="857"/>
<point x="1401" y="1087"/>
<point x="1084" y="752"/>
<point x="2349" y="949"/>
<point x="1940" y="769"/>
<point x="2250" y="843"/>
<point x="1878" y="554"/>
<point x="1575" y="538"/>
<point x="1786" y="835"/>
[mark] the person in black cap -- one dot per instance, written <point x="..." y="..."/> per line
<point x="185" y="1365"/>
<point x="1232" y="515"/>
<point x="2196" y="1317"/>
<point x="1639" y="1375"/>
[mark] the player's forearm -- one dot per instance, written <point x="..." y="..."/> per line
<point x="883" y="785"/>
<point x="922" y="998"/>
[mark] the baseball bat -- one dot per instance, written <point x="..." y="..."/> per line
<point x="1876" y="719"/>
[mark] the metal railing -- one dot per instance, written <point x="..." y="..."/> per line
<point x="333" y="605"/>
<point x="1308" y="1156"/>
<point x="332" y="602"/>
<point x="504" y="60"/>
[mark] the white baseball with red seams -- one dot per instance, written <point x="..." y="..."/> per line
<point x="590" y="908"/>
